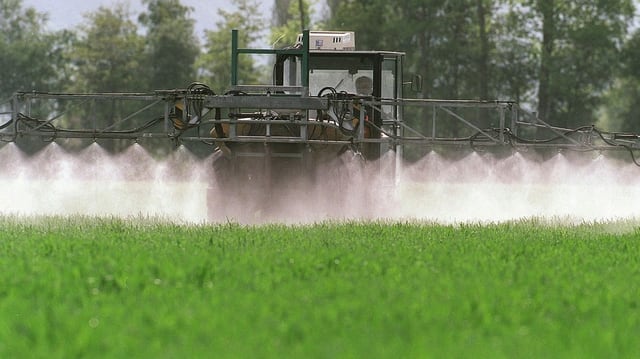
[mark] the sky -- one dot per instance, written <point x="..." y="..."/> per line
<point x="69" y="13"/>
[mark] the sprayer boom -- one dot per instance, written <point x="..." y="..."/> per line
<point x="185" y="115"/>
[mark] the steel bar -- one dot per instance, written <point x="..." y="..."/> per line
<point x="548" y="126"/>
<point x="470" y="124"/>
<point x="440" y="103"/>
<point x="49" y="121"/>
<point x="94" y="96"/>
<point x="131" y="115"/>
<point x="267" y="102"/>
<point x="269" y="89"/>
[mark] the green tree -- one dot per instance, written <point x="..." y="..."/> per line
<point x="621" y="109"/>
<point x="215" y="62"/>
<point x="30" y="58"/>
<point x="515" y="58"/>
<point x="171" y="45"/>
<point x="483" y="13"/>
<point x="579" y="53"/>
<point x="291" y="20"/>
<point x="371" y="20"/>
<point x="109" y="53"/>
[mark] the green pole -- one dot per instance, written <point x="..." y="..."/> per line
<point x="234" y="57"/>
<point x="305" y="58"/>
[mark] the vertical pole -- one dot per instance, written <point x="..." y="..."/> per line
<point x="514" y="119"/>
<point x="399" y="129"/>
<point x="94" y="117"/>
<point x="399" y="151"/>
<point x="166" y="116"/>
<point x="234" y="75"/>
<point x="15" y="104"/>
<point x="305" y="60"/>
<point x="28" y="107"/>
<point x="301" y="6"/>
<point x="234" y="57"/>
<point x="303" y="126"/>
<point x="185" y="111"/>
<point x="361" y="121"/>
<point x="502" y="123"/>
<point x="433" y="123"/>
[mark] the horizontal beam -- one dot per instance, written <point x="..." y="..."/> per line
<point x="415" y="141"/>
<point x="268" y="88"/>
<point x="87" y="96"/>
<point x="438" y="103"/>
<point x="267" y="102"/>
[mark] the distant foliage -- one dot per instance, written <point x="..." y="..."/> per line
<point x="289" y="22"/>
<point x="621" y="108"/>
<point x="108" y="55"/>
<point x="171" y="46"/>
<point x="30" y="58"/>
<point x="215" y="63"/>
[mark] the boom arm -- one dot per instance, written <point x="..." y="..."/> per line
<point x="152" y="115"/>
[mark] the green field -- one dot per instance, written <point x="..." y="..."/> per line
<point x="81" y="287"/>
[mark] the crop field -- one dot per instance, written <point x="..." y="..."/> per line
<point x="143" y="288"/>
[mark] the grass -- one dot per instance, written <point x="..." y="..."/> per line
<point x="91" y="287"/>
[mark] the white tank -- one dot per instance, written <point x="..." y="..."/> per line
<point x="330" y="40"/>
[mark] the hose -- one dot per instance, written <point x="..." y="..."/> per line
<point x="6" y="124"/>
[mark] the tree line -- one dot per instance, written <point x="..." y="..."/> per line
<point x="115" y="50"/>
<point x="573" y="62"/>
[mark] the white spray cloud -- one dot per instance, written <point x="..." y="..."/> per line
<point x="485" y="188"/>
<point x="96" y="183"/>
<point x="474" y="188"/>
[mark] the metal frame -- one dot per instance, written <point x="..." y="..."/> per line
<point x="302" y="51"/>
<point x="511" y="121"/>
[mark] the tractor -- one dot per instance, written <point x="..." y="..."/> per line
<point x="283" y="138"/>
